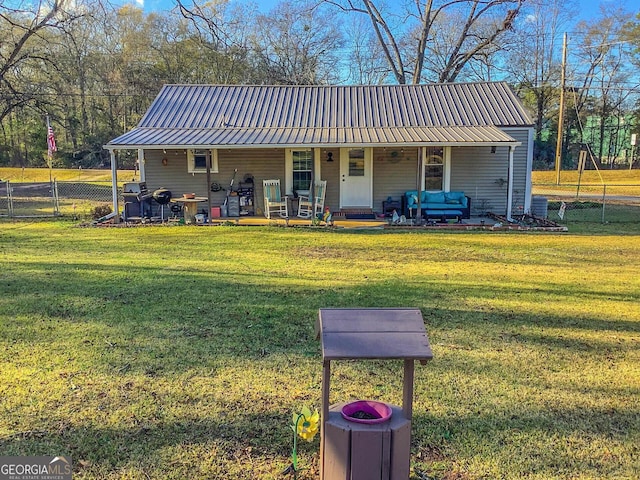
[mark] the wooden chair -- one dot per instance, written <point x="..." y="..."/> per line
<point x="274" y="201"/>
<point x="312" y="205"/>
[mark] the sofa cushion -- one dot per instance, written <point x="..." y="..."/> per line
<point x="455" y="196"/>
<point x="412" y="198"/>
<point x="434" y="197"/>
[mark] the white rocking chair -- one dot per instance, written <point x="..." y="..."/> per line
<point x="312" y="205"/>
<point x="274" y="201"/>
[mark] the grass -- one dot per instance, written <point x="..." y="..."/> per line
<point x="618" y="189"/>
<point x="16" y="174"/>
<point x="180" y="352"/>
<point x="80" y="190"/>
<point x="620" y="177"/>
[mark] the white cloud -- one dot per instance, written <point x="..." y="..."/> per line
<point x="140" y="2"/>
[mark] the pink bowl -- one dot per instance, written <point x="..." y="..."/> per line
<point x="380" y="411"/>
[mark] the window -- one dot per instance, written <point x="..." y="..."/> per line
<point x="197" y="161"/>
<point x="356" y="162"/>
<point x="434" y="168"/>
<point x="302" y="169"/>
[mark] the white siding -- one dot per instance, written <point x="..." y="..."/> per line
<point x="482" y="175"/>
<point x="520" y="170"/>
<point x="330" y="171"/>
<point x="393" y="174"/>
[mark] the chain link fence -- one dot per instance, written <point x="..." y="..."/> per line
<point x="82" y="200"/>
<point x="564" y="203"/>
<point x="589" y="203"/>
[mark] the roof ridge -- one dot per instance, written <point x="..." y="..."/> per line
<point x="386" y="85"/>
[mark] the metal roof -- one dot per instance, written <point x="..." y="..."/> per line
<point x="280" y="116"/>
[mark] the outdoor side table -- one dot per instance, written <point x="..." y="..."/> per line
<point x="190" y="207"/>
<point x="352" y="451"/>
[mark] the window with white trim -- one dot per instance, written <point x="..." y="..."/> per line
<point x="302" y="169"/>
<point x="356" y="162"/>
<point x="197" y="160"/>
<point x="434" y="164"/>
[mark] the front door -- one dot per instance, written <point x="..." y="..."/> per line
<point x="356" y="177"/>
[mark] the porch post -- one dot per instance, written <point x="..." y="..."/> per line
<point x="529" y="186"/>
<point x="114" y="185"/>
<point x="419" y="185"/>
<point x="141" y="166"/>
<point x="510" y="183"/>
<point x="312" y="196"/>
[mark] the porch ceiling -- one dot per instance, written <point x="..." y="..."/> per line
<point x="273" y="137"/>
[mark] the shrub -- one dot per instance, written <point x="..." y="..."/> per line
<point x="101" y="211"/>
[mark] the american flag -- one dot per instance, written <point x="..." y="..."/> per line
<point x="51" y="142"/>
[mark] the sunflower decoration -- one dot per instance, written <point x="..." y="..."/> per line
<point x="304" y="425"/>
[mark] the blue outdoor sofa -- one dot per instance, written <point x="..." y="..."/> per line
<point x="442" y="205"/>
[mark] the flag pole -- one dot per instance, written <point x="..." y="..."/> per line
<point x="49" y="152"/>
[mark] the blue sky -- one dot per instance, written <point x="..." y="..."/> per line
<point x="588" y="8"/>
<point x="159" y="5"/>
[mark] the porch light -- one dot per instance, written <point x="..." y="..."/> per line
<point x="329" y="156"/>
<point x="493" y="149"/>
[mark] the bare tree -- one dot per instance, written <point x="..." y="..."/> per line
<point x="223" y="31"/>
<point x="533" y="62"/>
<point x="406" y="34"/>
<point x="23" y="27"/>
<point x="365" y="63"/>
<point x="632" y="35"/>
<point x="607" y="82"/>
<point x="297" y="44"/>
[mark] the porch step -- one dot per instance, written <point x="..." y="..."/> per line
<point x="354" y="214"/>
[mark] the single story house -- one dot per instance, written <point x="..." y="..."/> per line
<point x="368" y="142"/>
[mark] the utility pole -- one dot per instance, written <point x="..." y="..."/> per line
<point x="561" y="114"/>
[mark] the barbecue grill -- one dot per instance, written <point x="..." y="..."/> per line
<point x="162" y="196"/>
<point x="137" y="200"/>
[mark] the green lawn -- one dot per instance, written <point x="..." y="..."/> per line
<point x="620" y="177"/>
<point x="181" y="352"/>
<point x="15" y="174"/>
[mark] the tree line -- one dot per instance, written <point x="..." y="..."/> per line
<point x="92" y="68"/>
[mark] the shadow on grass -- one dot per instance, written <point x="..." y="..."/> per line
<point x="174" y="319"/>
<point x="548" y="442"/>
<point x="182" y="447"/>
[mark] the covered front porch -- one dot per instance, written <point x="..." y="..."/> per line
<point x="361" y="178"/>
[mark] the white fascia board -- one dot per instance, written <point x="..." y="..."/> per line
<point x="312" y="145"/>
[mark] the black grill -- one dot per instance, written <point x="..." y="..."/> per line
<point x="162" y="196"/>
<point x="137" y="200"/>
